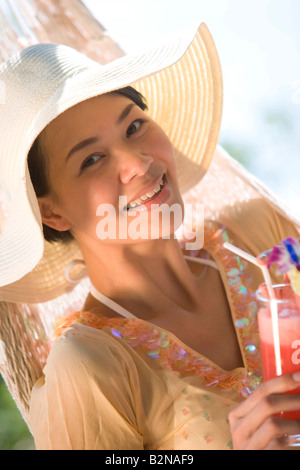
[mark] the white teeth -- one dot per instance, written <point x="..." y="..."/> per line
<point x="146" y="196"/>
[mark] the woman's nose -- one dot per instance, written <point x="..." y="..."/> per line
<point x="133" y="163"/>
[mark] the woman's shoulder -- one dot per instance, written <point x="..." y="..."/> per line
<point x="80" y="345"/>
<point x="259" y="224"/>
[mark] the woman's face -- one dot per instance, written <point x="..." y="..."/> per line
<point x="98" y="151"/>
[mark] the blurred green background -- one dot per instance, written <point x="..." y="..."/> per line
<point x="260" y="126"/>
<point x="14" y="433"/>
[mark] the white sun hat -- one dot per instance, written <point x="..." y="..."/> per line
<point x="182" y="83"/>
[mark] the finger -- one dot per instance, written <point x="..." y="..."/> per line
<point x="280" y="443"/>
<point x="245" y="420"/>
<point x="282" y="384"/>
<point x="274" y="404"/>
<point x="273" y="434"/>
<point x="260" y="426"/>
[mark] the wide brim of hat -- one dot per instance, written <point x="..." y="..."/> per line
<point x="182" y="83"/>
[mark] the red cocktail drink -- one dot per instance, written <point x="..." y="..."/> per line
<point x="288" y="308"/>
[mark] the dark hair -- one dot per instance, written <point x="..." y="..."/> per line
<point x="37" y="165"/>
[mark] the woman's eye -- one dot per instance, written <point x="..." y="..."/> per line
<point x="134" y="127"/>
<point x="90" y="161"/>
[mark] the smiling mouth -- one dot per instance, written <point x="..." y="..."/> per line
<point x="147" y="196"/>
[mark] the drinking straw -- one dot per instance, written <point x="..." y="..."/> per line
<point x="273" y="304"/>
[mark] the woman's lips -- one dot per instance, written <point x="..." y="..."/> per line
<point x="158" y="198"/>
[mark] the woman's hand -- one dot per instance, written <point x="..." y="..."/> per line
<point x="253" y="424"/>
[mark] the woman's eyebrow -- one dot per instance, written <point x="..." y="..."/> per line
<point x="125" y="113"/>
<point x="93" y="140"/>
<point x="81" y="145"/>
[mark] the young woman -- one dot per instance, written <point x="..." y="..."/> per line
<point x="164" y="353"/>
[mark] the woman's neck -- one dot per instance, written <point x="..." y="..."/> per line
<point x="146" y="277"/>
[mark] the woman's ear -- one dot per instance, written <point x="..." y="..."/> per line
<point x="51" y="215"/>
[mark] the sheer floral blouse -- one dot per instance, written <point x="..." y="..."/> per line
<point x="124" y="383"/>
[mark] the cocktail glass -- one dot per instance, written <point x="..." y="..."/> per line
<point x="287" y="304"/>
